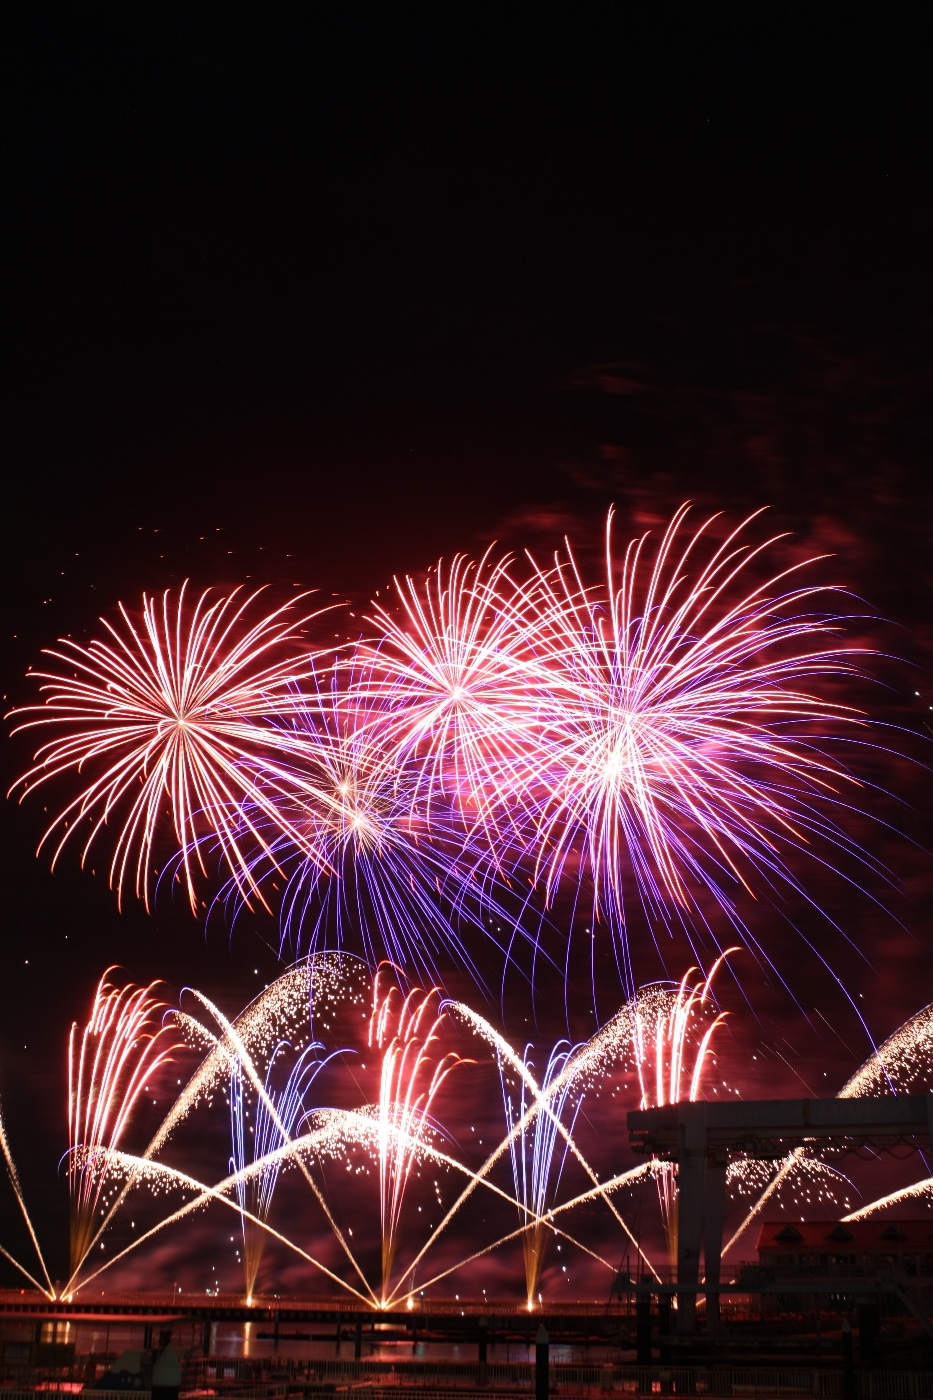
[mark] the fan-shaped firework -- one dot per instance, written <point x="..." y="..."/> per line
<point x="163" y="721"/>
<point x="404" y="1028"/>
<point x="123" y="1044"/>
<point x="533" y="1136"/>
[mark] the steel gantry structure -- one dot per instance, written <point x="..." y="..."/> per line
<point x="701" y="1137"/>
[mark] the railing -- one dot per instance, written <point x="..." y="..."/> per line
<point x="518" y="1379"/>
<point x="55" y="1390"/>
<point x="397" y="1378"/>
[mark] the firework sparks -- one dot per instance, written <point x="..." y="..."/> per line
<point x="532" y="1152"/>
<point x="404" y="1028"/>
<point x="657" y="1047"/>
<point x="166" y="713"/>
<point x="657" y="737"/>
<point x="680" y="747"/>
<point x="919" y="1191"/>
<point x="381" y="872"/>
<point x="110" y="1062"/>
<point x="450" y="678"/>
<point x="13" y="1178"/>
<point x="270" y="1131"/>
<point x="902" y="1065"/>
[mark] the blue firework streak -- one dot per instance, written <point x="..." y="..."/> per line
<point x="534" y="1128"/>
<point x="279" y="1113"/>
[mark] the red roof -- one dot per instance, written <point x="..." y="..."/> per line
<point x="875" y="1234"/>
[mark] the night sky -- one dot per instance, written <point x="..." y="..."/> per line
<point x="312" y="303"/>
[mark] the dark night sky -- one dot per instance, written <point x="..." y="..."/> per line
<point x="317" y="302"/>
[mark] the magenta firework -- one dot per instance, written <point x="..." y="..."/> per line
<point x="162" y="723"/>
<point x="657" y="732"/>
<point x="679" y="716"/>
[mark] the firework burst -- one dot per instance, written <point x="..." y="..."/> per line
<point x="164" y="722"/>
<point x="383" y="871"/>
<point x="681" y="748"/>
<point x="449" y="683"/>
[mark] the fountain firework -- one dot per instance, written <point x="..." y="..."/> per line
<point x="278" y="1117"/>
<point x="361" y="1158"/>
<point x="110" y="1062"/>
<point x="534" y="1173"/>
<point x="405" y="1029"/>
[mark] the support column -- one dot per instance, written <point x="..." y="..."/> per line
<point x="691" y="1182"/>
<point x="542" y="1363"/>
<point x="714" y="1205"/>
<point x="643" y="1328"/>
<point x="691" y="1194"/>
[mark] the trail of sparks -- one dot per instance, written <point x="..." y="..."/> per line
<point x="13" y="1177"/>
<point x="404" y="1028"/>
<point x="920" y="1190"/>
<point x="122" y="1046"/>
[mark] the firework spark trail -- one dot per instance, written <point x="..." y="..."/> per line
<point x="904" y="1060"/>
<point x="919" y="1189"/>
<point x="677" y="738"/>
<point x="533" y="1178"/>
<point x="307" y="991"/>
<point x="505" y="1052"/>
<point x="660" y="1024"/>
<point x="13" y="1177"/>
<point x="120" y="1048"/>
<point x="796" y="1162"/>
<point x="169" y="709"/>
<point x="139" y="1168"/>
<point x="403" y="1029"/>
<point x="270" y="1133"/>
